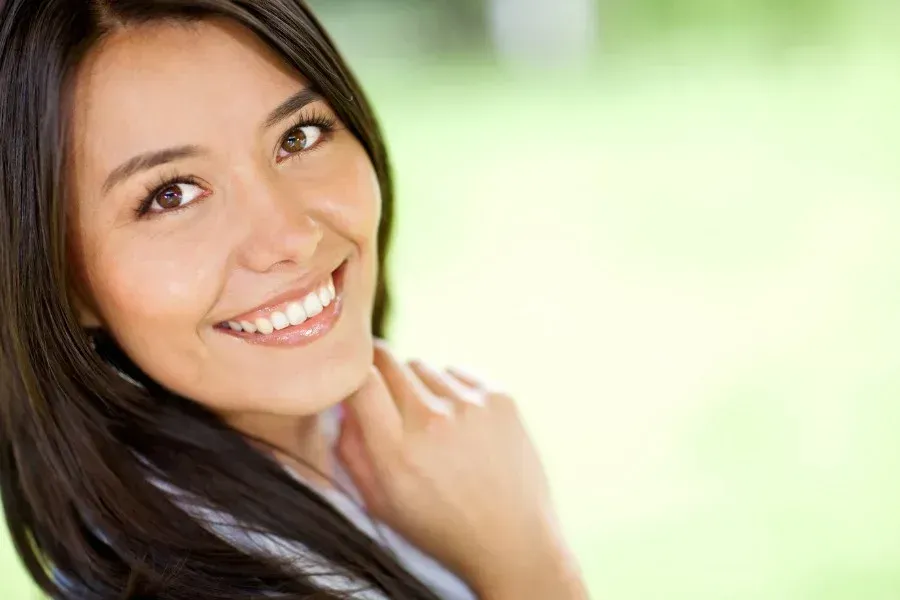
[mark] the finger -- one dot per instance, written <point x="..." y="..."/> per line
<point x="440" y="396"/>
<point x="412" y="397"/>
<point x="466" y="378"/>
<point x="375" y="413"/>
<point x="443" y="385"/>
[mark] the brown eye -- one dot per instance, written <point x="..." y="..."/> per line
<point x="170" y="197"/>
<point x="175" y="196"/>
<point x="295" y="141"/>
<point x="299" y="139"/>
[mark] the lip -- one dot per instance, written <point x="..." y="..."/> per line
<point x="275" y="302"/>
<point x="294" y="335"/>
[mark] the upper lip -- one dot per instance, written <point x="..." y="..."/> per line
<point x="310" y="284"/>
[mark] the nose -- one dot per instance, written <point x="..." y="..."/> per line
<point x="280" y="231"/>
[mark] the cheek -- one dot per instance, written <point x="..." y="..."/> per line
<point x="147" y="290"/>
<point x="153" y="302"/>
<point x="363" y="218"/>
<point x="352" y="203"/>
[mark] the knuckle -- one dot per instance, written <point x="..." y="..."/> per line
<point x="435" y="419"/>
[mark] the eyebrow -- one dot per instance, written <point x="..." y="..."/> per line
<point x="145" y="161"/>
<point x="291" y="105"/>
<point x="148" y="160"/>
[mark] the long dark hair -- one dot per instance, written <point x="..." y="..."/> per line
<point x="109" y="487"/>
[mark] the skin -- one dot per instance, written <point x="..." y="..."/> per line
<point x="159" y="284"/>
<point x="413" y="439"/>
<point x="448" y="462"/>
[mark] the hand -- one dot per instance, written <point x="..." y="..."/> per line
<point x="449" y="465"/>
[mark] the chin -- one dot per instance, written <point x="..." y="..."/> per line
<point x="327" y="382"/>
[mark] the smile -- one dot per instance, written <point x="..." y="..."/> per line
<point x="293" y="318"/>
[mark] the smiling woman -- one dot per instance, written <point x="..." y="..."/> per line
<point x="196" y="206"/>
<point x="240" y="211"/>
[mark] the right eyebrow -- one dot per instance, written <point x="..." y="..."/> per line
<point x="294" y="103"/>
<point x="145" y="161"/>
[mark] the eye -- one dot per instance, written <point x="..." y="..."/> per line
<point x="299" y="139"/>
<point x="174" y="196"/>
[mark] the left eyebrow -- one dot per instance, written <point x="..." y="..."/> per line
<point x="146" y="161"/>
<point x="291" y="105"/>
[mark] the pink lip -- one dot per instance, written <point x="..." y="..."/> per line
<point x="277" y="302"/>
<point x="295" y="335"/>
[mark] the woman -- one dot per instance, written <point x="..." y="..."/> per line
<point x="196" y="206"/>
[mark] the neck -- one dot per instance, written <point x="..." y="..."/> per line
<point x="300" y="442"/>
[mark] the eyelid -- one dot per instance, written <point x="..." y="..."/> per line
<point x="155" y="197"/>
<point x="143" y="211"/>
<point x="309" y="117"/>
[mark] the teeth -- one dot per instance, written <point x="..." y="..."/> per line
<point x="312" y="305"/>
<point x="279" y="320"/>
<point x="325" y="296"/>
<point x="264" y="326"/>
<point x="295" y="313"/>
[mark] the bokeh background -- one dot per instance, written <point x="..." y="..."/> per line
<point x="669" y="227"/>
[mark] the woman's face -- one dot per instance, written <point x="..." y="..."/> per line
<point x="224" y="221"/>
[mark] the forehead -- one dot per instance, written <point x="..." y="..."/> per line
<point x="170" y="84"/>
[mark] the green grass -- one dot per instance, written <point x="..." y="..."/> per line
<point x="685" y="266"/>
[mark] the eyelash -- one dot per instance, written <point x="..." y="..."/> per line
<point x="323" y="121"/>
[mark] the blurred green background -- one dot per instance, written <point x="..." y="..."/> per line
<point x="668" y="226"/>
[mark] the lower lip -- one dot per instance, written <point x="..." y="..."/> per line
<point x="306" y="332"/>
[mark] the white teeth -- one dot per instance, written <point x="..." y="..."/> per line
<point x="279" y="320"/>
<point x="264" y="326"/>
<point x="312" y="305"/>
<point x="295" y="313"/>
<point x="325" y="296"/>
